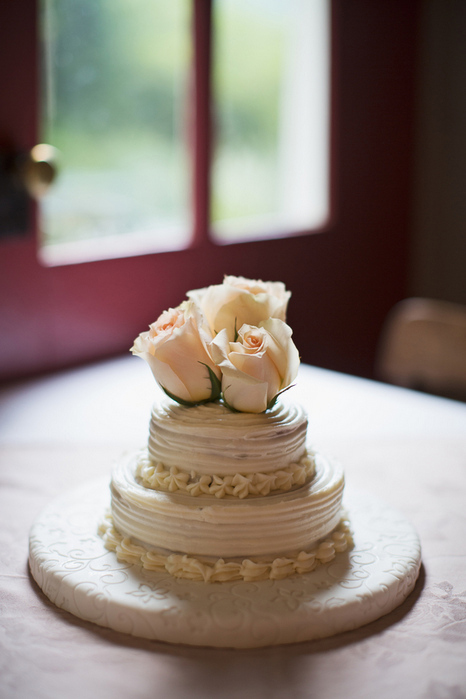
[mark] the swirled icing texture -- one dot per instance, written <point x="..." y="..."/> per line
<point x="204" y="526"/>
<point x="210" y="439"/>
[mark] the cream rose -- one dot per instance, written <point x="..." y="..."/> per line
<point x="240" y="301"/>
<point x="258" y="366"/>
<point x="175" y="347"/>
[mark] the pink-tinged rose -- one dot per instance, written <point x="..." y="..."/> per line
<point x="240" y="301"/>
<point x="255" y="369"/>
<point x="175" y="347"/>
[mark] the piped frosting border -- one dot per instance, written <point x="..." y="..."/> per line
<point x="248" y="570"/>
<point x="241" y="485"/>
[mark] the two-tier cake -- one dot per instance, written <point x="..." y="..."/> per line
<point x="227" y="487"/>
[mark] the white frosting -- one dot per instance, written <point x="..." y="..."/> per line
<point x="188" y="567"/>
<point x="240" y="485"/>
<point x="211" y="439"/>
<point x="220" y="495"/>
<point x="204" y="526"/>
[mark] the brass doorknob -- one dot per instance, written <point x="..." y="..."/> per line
<point x="37" y="169"/>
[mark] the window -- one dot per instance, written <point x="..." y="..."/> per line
<point x="114" y="102"/>
<point x="271" y="97"/>
<point x="116" y="89"/>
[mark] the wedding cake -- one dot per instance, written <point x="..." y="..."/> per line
<point x="227" y="487"/>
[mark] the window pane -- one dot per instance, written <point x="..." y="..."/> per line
<point x="271" y="85"/>
<point x="114" y="83"/>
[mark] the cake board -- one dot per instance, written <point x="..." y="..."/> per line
<point x="70" y="564"/>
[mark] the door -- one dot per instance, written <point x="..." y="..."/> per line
<point x="344" y="275"/>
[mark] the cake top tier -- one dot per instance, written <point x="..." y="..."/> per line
<point x="211" y="439"/>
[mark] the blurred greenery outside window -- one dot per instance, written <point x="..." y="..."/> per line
<point x="116" y="79"/>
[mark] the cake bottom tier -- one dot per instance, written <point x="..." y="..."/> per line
<point x="221" y="570"/>
<point x="203" y="539"/>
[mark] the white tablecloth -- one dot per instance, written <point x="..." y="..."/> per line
<point x="406" y="448"/>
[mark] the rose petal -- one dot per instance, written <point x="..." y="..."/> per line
<point x="282" y="349"/>
<point x="220" y="347"/>
<point x="244" y="393"/>
<point x="166" y="377"/>
<point x="185" y="354"/>
<point x="260" y="367"/>
<point x="178" y="355"/>
<point x="229" y="306"/>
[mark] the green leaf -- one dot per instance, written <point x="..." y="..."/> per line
<point x="215" y="383"/>
<point x="215" y="394"/>
<point x="227" y="405"/>
<point x="181" y="401"/>
<point x="275" y="398"/>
